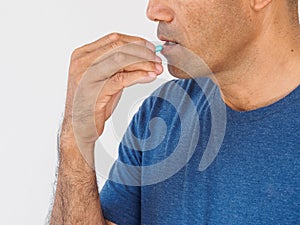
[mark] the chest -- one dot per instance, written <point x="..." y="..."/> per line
<point x="253" y="180"/>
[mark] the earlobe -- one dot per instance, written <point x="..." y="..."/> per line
<point x="258" y="5"/>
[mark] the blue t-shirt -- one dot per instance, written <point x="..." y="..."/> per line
<point x="187" y="158"/>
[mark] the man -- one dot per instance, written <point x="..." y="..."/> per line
<point x="253" y="50"/>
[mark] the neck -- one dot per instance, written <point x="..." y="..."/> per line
<point x="269" y="70"/>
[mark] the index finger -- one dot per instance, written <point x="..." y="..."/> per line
<point x="114" y="37"/>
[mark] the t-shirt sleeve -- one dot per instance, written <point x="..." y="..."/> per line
<point x="120" y="196"/>
<point x="120" y="203"/>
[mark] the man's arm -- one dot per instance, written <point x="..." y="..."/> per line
<point x="98" y="73"/>
<point x="77" y="199"/>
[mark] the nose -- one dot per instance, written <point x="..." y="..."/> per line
<point x="158" y="10"/>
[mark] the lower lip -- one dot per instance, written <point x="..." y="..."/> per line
<point x="167" y="48"/>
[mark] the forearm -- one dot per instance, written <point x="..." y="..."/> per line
<point x="76" y="199"/>
<point x="98" y="74"/>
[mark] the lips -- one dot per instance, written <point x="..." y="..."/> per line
<point x="168" y="41"/>
<point x="168" y="45"/>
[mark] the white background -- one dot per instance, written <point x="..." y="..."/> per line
<point x="37" y="38"/>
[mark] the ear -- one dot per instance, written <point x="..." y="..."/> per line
<point x="258" y="5"/>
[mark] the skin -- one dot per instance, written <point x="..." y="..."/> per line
<point x="236" y="39"/>
<point x="98" y="73"/>
<point x="251" y="46"/>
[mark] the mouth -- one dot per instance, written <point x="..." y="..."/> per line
<point x="168" y="44"/>
<point x="168" y="41"/>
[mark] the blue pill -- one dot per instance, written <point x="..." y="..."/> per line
<point x="158" y="48"/>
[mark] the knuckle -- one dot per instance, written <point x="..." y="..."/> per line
<point x="76" y="66"/>
<point x="114" y="36"/>
<point x="76" y="53"/>
<point x="118" y="79"/>
<point x="116" y="44"/>
<point x="77" y="63"/>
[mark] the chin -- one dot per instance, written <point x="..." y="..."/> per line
<point x="191" y="73"/>
<point x="183" y="63"/>
<point x="178" y="73"/>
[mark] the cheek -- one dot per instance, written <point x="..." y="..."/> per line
<point x="215" y="29"/>
<point x="202" y="25"/>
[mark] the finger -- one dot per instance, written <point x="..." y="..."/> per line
<point x="127" y="48"/>
<point x="114" y="37"/>
<point x="109" y="105"/>
<point x="144" y="66"/>
<point x="125" y="79"/>
<point x="113" y="64"/>
<point x="87" y="60"/>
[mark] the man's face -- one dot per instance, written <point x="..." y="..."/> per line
<point x="217" y="31"/>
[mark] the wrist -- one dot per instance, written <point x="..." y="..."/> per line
<point x="73" y="154"/>
<point x="73" y="161"/>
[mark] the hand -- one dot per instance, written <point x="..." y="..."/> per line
<point x="98" y="73"/>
